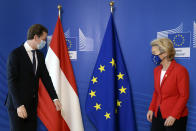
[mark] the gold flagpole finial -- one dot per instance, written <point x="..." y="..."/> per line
<point x="111" y="6"/>
<point x="59" y="7"/>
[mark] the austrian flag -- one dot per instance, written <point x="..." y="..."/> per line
<point x="61" y="72"/>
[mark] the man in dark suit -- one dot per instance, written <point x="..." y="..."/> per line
<point x="26" y="65"/>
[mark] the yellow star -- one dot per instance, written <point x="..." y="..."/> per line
<point x="122" y="90"/>
<point x="97" y="106"/>
<point x="113" y="62"/>
<point x="92" y="93"/>
<point x="120" y="76"/>
<point x="102" y="68"/>
<point x="107" y="115"/>
<point x="118" y="103"/>
<point x="94" y="80"/>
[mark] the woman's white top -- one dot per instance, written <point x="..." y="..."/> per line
<point x="162" y="75"/>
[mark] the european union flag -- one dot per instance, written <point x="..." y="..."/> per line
<point x="109" y="101"/>
<point x="180" y="40"/>
<point x="71" y="44"/>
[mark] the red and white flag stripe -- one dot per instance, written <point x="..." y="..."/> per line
<point x="61" y="72"/>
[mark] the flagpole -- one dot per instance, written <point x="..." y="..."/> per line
<point x="112" y="6"/>
<point x="59" y="8"/>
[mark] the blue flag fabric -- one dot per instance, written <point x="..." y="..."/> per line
<point x="109" y="101"/>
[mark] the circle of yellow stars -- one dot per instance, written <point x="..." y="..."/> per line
<point x="122" y="90"/>
<point x="177" y="37"/>
<point x="69" y="43"/>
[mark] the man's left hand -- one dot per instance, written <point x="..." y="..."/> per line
<point x="57" y="104"/>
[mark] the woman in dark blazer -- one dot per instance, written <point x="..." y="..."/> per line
<point x="168" y="110"/>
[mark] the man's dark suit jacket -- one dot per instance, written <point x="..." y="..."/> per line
<point x="23" y="83"/>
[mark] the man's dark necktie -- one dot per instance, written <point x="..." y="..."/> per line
<point x="34" y="61"/>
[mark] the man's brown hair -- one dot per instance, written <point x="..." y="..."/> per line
<point x="36" y="29"/>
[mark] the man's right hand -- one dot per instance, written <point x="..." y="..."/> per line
<point x="22" y="113"/>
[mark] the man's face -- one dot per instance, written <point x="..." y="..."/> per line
<point x="42" y="37"/>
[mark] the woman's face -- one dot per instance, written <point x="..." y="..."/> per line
<point x="156" y="51"/>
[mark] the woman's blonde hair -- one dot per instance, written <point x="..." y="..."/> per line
<point x="165" y="45"/>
